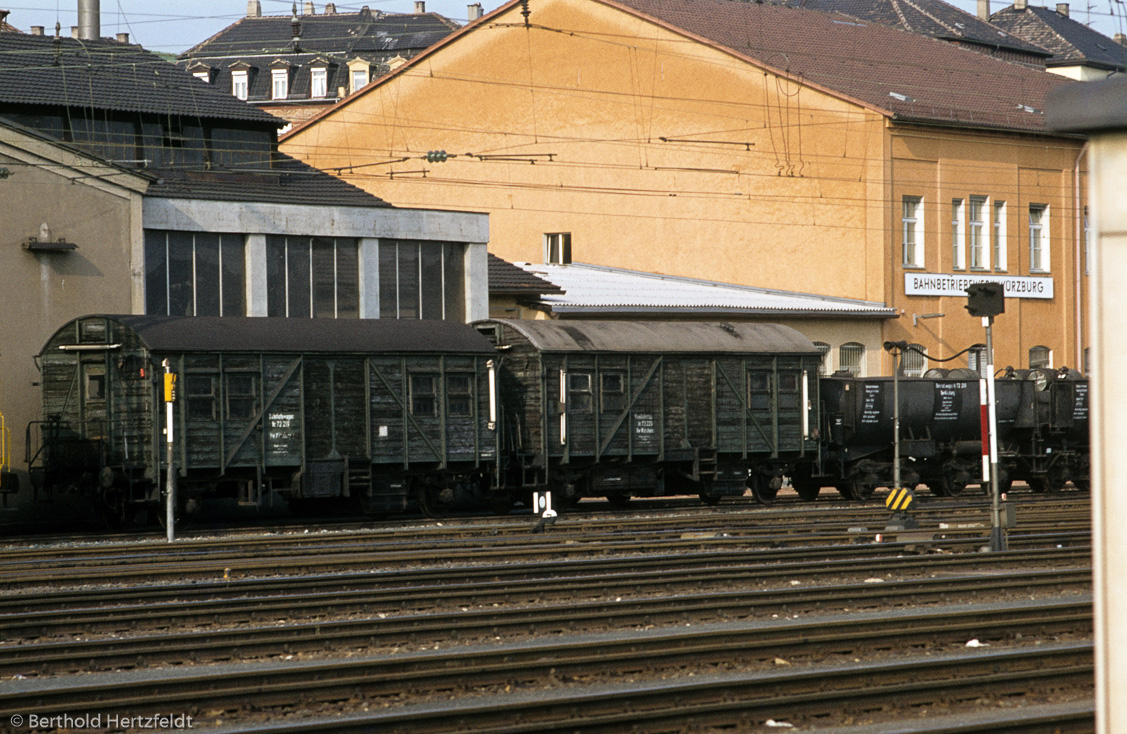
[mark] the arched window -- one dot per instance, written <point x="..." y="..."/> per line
<point x="912" y="361"/>
<point x="824" y="350"/>
<point x="1040" y="356"/>
<point x="851" y="356"/>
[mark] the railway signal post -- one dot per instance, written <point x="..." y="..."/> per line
<point x="170" y="485"/>
<point x="987" y="300"/>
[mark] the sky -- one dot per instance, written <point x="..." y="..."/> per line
<point x="172" y="27"/>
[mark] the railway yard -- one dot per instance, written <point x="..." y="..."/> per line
<point x="666" y="616"/>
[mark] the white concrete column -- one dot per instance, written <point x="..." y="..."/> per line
<point x="369" y="278"/>
<point x="477" y="282"/>
<point x="256" y="274"/>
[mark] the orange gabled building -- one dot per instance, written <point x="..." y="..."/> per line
<point x="744" y="143"/>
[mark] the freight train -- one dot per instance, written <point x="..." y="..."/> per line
<point x="384" y="414"/>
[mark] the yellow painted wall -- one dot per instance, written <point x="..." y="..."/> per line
<point x="660" y="153"/>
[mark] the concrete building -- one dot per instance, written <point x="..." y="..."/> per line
<point x="130" y="187"/>
<point x="751" y="144"/>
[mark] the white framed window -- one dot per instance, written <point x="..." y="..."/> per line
<point x="912" y="229"/>
<point x="557" y="248"/>
<point x="359" y="78"/>
<point x="239" y="84"/>
<point x="824" y="353"/>
<point x="958" y="236"/>
<point x="999" y="235"/>
<point x="912" y="362"/>
<point x="976" y="224"/>
<point x="851" y="357"/>
<point x="318" y="83"/>
<point x="279" y="83"/>
<point x="1038" y="238"/>
<point x="1040" y="356"/>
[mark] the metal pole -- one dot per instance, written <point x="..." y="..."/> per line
<point x="896" y="421"/>
<point x="997" y="531"/>
<point x="170" y="483"/>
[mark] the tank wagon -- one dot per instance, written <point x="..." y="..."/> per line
<point x="369" y="410"/>
<point x="622" y="409"/>
<point x="1042" y="424"/>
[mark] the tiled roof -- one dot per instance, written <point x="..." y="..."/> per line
<point x="345" y="34"/>
<point x="1071" y="42"/>
<point x="905" y="75"/>
<point x="506" y="279"/>
<point x="289" y="182"/>
<point x="593" y="289"/>
<point x="67" y="72"/>
<point x="934" y="18"/>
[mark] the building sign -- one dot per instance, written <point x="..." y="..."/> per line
<point x="946" y="284"/>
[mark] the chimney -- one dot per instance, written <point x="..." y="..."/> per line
<point x="89" y="20"/>
<point x="1021" y="5"/>
<point x="984" y="10"/>
<point x="254" y="8"/>
<point x="1120" y="39"/>
<point x="123" y="38"/>
<point x="309" y="9"/>
<point x="473" y="12"/>
<point x="1062" y="8"/>
<point x="330" y="9"/>
<point x="420" y="7"/>
<point x="37" y="30"/>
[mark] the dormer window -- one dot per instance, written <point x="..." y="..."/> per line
<point x="280" y="83"/>
<point x="203" y="75"/>
<point x="319" y="83"/>
<point x="359" y="78"/>
<point x="240" y="83"/>
<point x="359" y="72"/>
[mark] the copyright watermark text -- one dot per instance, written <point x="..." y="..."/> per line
<point x="94" y="722"/>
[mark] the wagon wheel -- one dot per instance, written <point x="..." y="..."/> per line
<point x="856" y="489"/>
<point x="618" y="499"/>
<point x="709" y="499"/>
<point x="111" y="506"/>
<point x="434" y="499"/>
<point x="1052" y="482"/>
<point x="764" y="488"/>
<point x="807" y="488"/>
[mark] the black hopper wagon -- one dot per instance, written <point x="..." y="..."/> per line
<point x="369" y="412"/>
<point x="641" y="409"/>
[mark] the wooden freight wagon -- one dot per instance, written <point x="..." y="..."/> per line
<point x="310" y="408"/>
<point x="617" y="409"/>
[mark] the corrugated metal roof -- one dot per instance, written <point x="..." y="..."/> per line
<point x="596" y="289"/>
<point x="348" y="336"/>
<point x="662" y="337"/>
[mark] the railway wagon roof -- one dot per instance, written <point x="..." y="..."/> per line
<point x="663" y="337"/>
<point x="260" y="334"/>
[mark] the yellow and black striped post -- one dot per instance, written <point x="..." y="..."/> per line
<point x="899" y="500"/>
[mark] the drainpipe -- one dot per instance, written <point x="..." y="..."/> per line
<point x="1079" y="264"/>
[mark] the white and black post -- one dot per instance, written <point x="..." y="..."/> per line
<point x="170" y="484"/>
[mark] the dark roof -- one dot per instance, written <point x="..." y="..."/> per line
<point x="934" y="18"/>
<point x="347" y="34"/>
<point x="662" y="337"/>
<point x="506" y="279"/>
<point x="936" y="82"/>
<point x="1071" y="42"/>
<point x="174" y="334"/>
<point x="104" y="75"/>
<point x="290" y="181"/>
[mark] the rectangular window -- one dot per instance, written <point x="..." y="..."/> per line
<point x="613" y="392"/>
<point x="239" y="84"/>
<point x="912" y="229"/>
<point x="201" y="397"/>
<point x="850" y="357"/>
<point x="759" y="390"/>
<point x="999" y="235"/>
<point x="424" y="394"/>
<point x="242" y="395"/>
<point x="359" y="79"/>
<point x="977" y="227"/>
<point x="557" y="248"/>
<point x="579" y="392"/>
<point x="788" y="391"/>
<point x="422" y="280"/>
<point x="280" y="83"/>
<point x="95" y="385"/>
<point x="459" y="394"/>
<point x="958" y="242"/>
<point x="194" y="274"/>
<point x="318" y="83"/>
<point x="312" y="277"/>
<point x="1038" y="238"/>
